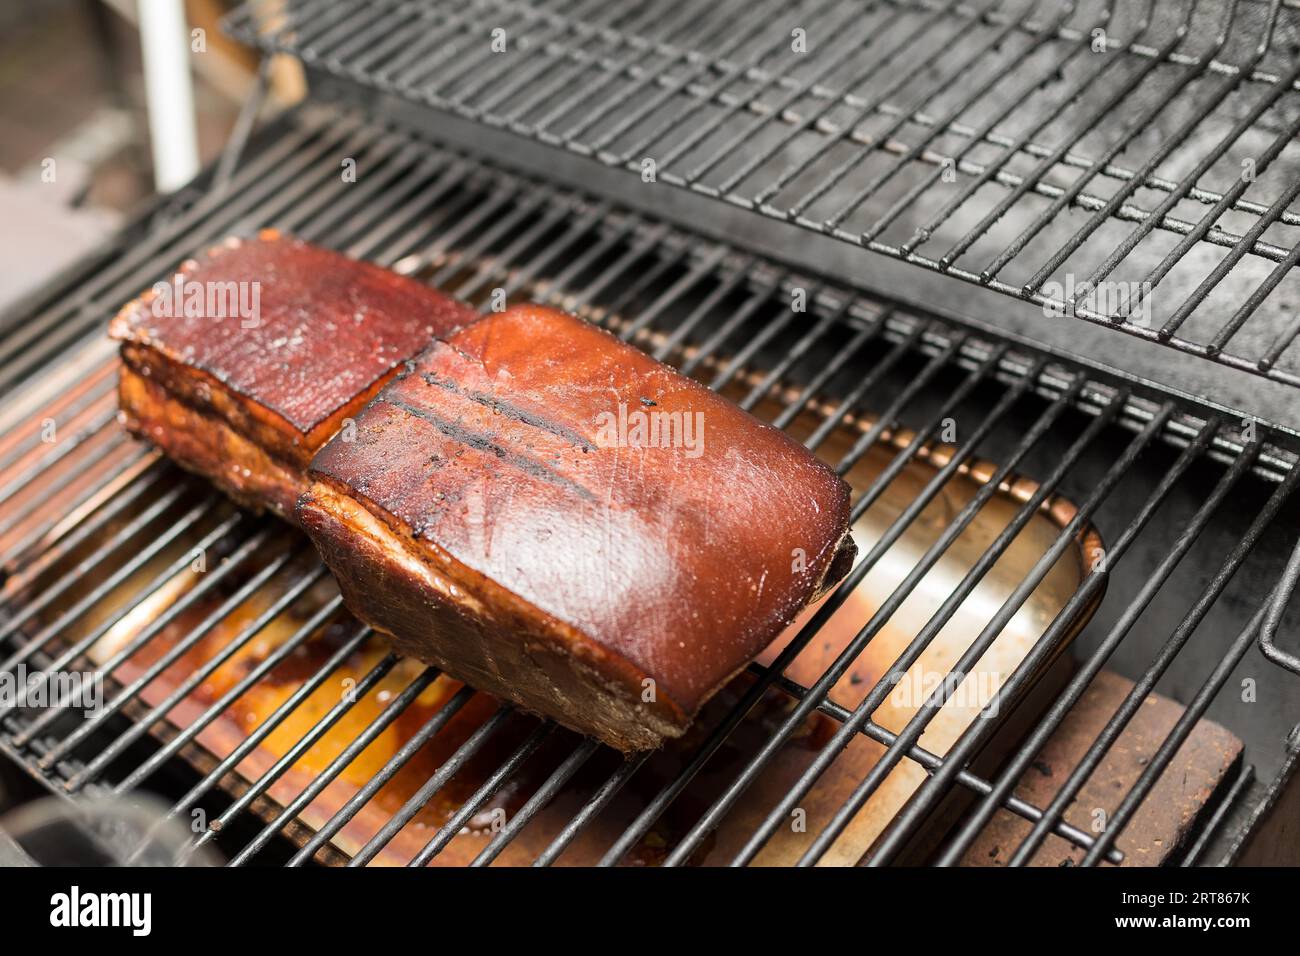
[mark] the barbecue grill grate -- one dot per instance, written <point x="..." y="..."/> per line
<point x="1074" y="155"/>
<point x="1124" y="457"/>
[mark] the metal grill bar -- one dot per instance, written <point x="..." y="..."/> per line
<point x="69" y="409"/>
<point x="912" y="732"/>
<point x="190" y="733"/>
<point x="1058" y="626"/>
<point x="930" y="762"/>
<point x="390" y="713"/>
<point x="142" y="725"/>
<point x="1080" y="681"/>
<point x="102" y="759"/>
<point x="1165" y="656"/>
<point x="156" y="626"/>
<point x="385" y="774"/>
<point x="1169" y="746"/>
<point x="317" y="731"/>
<point x="482" y="794"/>
<point x="121" y="575"/>
<point x="1002" y="618"/>
<point x="1273" y="620"/>
<point x="595" y="803"/>
<point x="138" y="487"/>
<point x="545" y="793"/>
<point x="723" y="315"/>
<point x="132" y="464"/>
<point x="434" y="784"/>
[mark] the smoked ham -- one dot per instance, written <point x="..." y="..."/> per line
<point x="552" y="516"/>
<point x="250" y="358"/>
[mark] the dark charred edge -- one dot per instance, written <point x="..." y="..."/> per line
<point x="483" y="443"/>
<point x="511" y="411"/>
<point x="841" y="563"/>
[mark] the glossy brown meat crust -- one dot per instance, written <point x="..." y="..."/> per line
<point x="248" y="400"/>
<point x="498" y="514"/>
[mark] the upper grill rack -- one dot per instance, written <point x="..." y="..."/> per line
<point x="1133" y="165"/>
<point x="467" y="228"/>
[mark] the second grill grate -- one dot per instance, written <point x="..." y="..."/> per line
<point x="1132" y="165"/>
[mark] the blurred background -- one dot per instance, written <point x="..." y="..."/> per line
<point x="102" y="103"/>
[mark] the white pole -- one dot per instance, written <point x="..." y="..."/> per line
<point x="169" y="92"/>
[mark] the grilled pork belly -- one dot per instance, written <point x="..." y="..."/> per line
<point x="251" y="357"/>
<point x="550" y="515"/>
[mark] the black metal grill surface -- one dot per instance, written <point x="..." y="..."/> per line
<point x="1161" y="478"/>
<point x="1132" y="165"/>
